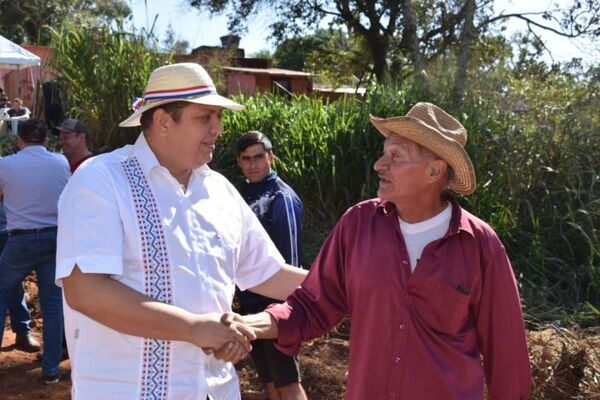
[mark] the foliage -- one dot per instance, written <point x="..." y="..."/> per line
<point x="410" y="30"/>
<point x="28" y="21"/>
<point x="172" y="44"/>
<point x="332" y="55"/>
<point x="534" y="137"/>
<point x="293" y="52"/>
<point x="102" y="70"/>
<point x="340" y="61"/>
<point x="263" y="53"/>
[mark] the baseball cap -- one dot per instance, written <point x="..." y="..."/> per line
<point x="72" y="125"/>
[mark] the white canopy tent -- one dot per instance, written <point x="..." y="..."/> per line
<point x="13" y="56"/>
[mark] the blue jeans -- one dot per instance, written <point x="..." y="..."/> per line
<point x="35" y="252"/>
<point x="17" y="310"/>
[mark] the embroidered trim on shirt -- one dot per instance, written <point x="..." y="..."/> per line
<point x="158" y="285"/>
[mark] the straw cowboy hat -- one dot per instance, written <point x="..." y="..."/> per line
<point x="178" y="82"/>
<point x="432" y="128"/>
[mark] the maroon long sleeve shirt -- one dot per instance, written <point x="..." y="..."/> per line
<point x="434" y="334"/>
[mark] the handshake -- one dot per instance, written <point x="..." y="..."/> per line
<point x="230" y="334"/>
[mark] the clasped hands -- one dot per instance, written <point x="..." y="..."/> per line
<point x="237" y="337"/>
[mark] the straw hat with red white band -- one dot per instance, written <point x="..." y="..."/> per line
<point x="178" y="82"/>
<point x="431" y="127"/>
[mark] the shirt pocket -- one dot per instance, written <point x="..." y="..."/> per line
<point x="444" y="309"/>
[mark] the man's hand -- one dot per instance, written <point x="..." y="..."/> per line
<point x="234" y="350"/>
<point x="209" y="332"/>
<point x="262" y="325"/>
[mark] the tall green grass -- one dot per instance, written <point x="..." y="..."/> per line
<point x="538" y="174"/>
<point x="100" y="71"/>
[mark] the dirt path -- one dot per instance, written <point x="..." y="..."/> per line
<point x="21" y="374"/>
<point x="323" y="364"/>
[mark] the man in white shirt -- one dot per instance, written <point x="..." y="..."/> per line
<point x="151" y="244"/>
<point x="31" y="182"/>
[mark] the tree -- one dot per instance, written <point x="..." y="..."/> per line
<point x="413" y="32"/>
<point x="293" y="52"/>
<point x="172" y="44"/>
<point x="28" y="21"/>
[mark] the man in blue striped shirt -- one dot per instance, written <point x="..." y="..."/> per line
<point x="279" y="209"/>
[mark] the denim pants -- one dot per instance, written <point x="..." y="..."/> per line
<point x="17" y="309"/>
<point x="35" y="252"/>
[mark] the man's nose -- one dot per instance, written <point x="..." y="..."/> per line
<point x="379" y="164"/>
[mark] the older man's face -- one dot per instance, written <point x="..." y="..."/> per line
<point x="402" y="170"/>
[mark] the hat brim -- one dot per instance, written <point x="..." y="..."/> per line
<point x="208" y="100"/>
<point x="464" y="181"/>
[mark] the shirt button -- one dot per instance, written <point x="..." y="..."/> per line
<point x="404" y="262"/>
<point x="393" y="394"/>
<point x="401" y="326"/>
<point x="405" y="293"/>
<point x="397" y="359"/>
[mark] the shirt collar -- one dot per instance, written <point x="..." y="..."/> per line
<point x="144" y="154"/>
<point x="271" y="177"/>
<point x="148" y="160"/>
<point x="458" y="222"/>
<point x="34" y="148"/>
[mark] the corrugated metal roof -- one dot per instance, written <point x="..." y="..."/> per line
<point x="268" y="71"/>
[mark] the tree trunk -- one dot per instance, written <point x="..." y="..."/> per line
<point x="464" y="52"/>
<point x="410" y="41"/>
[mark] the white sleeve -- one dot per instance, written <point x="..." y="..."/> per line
<point x="259" y="258"/>
<point x="90" y="231"/>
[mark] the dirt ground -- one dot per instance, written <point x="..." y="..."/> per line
<point x="565" y="365"/>
<point x="323" y="366"/>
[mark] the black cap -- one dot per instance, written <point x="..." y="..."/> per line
<point x="72" y="125"/>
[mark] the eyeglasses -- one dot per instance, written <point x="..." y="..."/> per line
<point x="254" y="158"/>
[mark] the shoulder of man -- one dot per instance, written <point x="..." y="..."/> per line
<point x="282" y="187"/>
<point x="482" y="232"/>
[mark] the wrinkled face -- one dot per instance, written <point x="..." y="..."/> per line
<point x="71" y="143"/>
<point x="192" y="139"/>
<point x="402" y="169"/>
<point x="256" y="162"/>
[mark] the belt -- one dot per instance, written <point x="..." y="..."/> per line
<point x="15" y="232"/>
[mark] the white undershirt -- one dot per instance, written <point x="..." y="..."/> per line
<point x="419" y="235"/>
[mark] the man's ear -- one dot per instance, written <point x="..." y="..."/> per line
<point x="161" y="121"/>
<point x="436" y="170"/>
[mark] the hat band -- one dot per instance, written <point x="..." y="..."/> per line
<point x="184" y="93"/>
<point x="179" y="93"/>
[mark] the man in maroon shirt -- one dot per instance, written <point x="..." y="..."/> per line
<point x="72" y="137"/>
<point x="431" y="294"/>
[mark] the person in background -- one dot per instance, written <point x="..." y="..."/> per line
<point x="72" y="137"/>
<point x="4" y="102"/>
<point x="151" y="245"/>
<point x="429" y="289"/>
<point x="32" y="181"/>
<point x="20" y="319"/>
<point x="279" y="210"/>
<point x="18" y="110"/>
